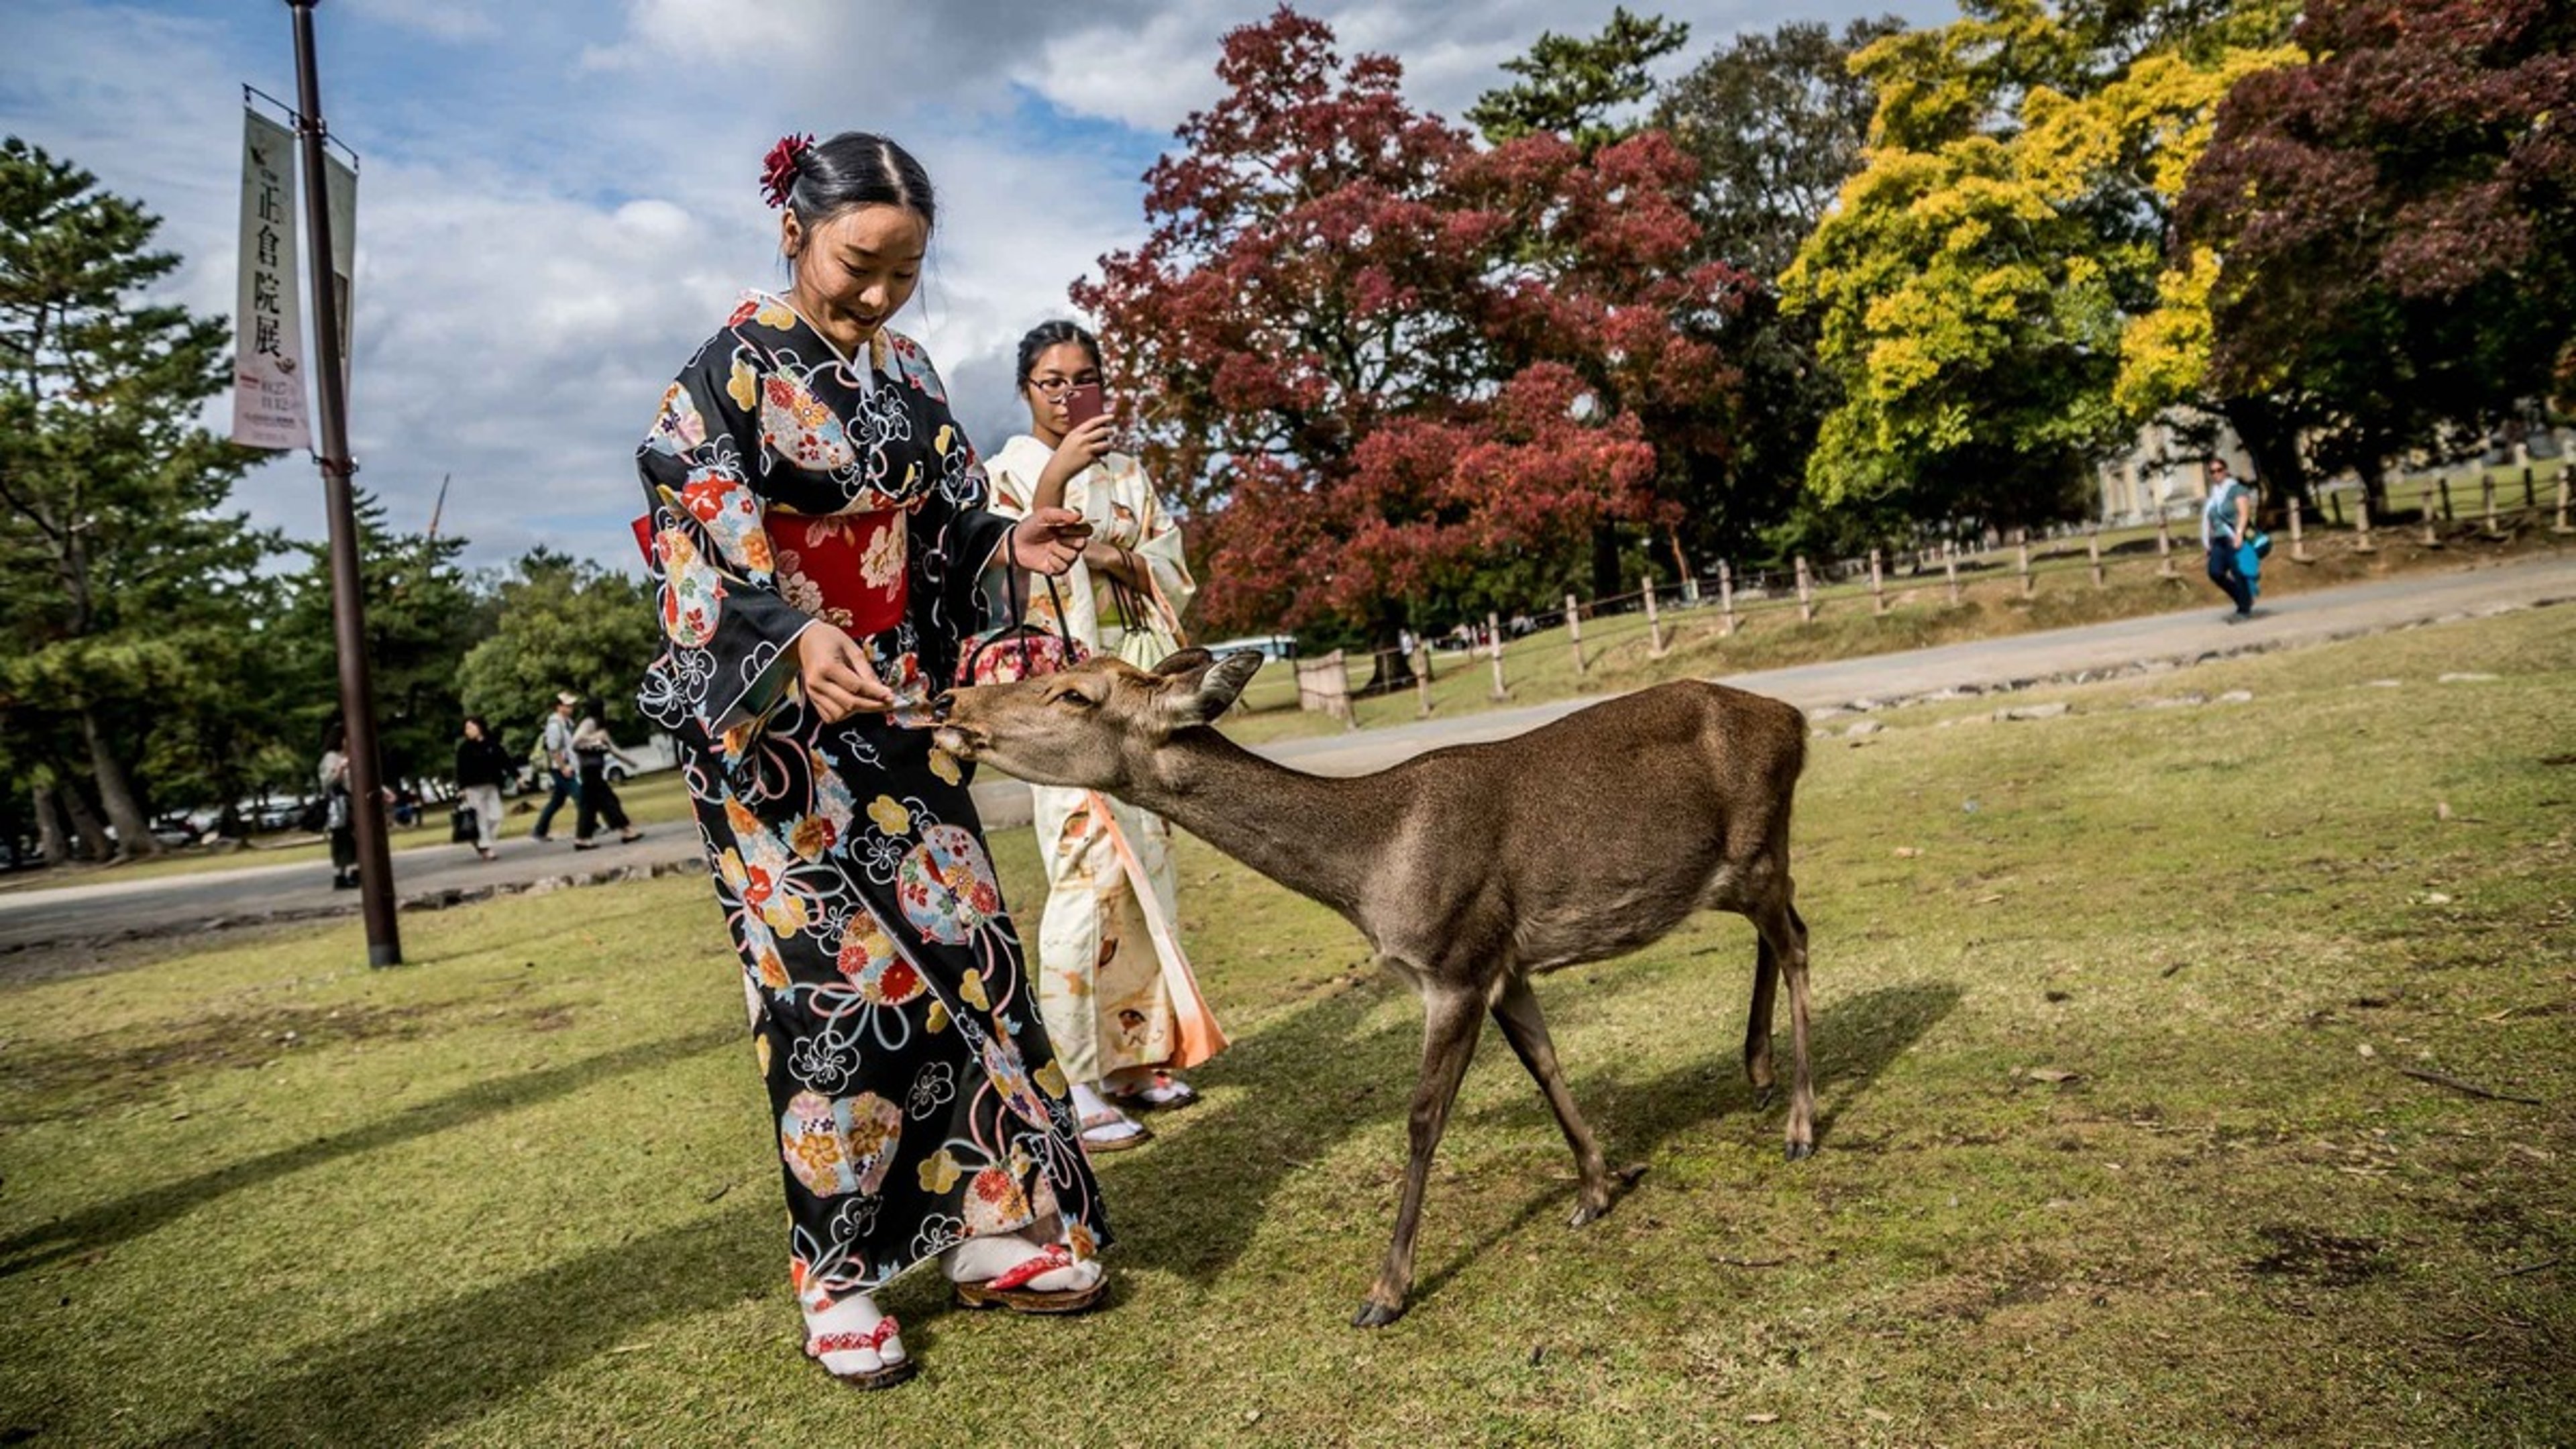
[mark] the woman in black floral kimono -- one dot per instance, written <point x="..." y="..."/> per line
<point x="817" y="525"/>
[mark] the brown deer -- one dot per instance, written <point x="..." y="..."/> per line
<point x="1469" y="869"/>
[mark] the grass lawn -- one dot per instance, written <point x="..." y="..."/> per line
<point x="2114" y="1012"/>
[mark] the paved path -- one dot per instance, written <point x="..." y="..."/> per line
<point x="445" y="874"/>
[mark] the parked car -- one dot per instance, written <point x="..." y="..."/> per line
<point x="1272" y="646"/>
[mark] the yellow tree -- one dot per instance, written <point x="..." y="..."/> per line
<point x="1993" y="284"/>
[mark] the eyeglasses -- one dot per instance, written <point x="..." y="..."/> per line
<point x="1054" y="387"/>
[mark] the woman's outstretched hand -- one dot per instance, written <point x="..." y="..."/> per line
<point x="1048" y="540"/>
<point x="837" y="676"/>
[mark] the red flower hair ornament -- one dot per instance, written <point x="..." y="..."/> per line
<point x="778" y="169"/>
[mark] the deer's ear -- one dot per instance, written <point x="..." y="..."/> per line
<point x="1183" y="661"/>
<point x="1207" y="688"/>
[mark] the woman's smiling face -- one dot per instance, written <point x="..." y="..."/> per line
<point x="856" y="269"/>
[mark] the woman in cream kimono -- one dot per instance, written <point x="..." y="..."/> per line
<point x="1113" y="985"/>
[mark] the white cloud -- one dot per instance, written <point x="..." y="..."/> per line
<point x="554" y="211"/>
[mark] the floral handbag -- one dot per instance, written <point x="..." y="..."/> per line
<point x="1020" y="649"/>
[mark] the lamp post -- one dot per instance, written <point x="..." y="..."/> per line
<point x="348" y="586"/>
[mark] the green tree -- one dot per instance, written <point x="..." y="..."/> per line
<point x="1777" y="122"/>
<point x="559" y="624"/>
<point x="2005" y="247"/>
<point x="422" y="615"/>
<point x="1571" y="87"/>
<point x="121" y="575"/>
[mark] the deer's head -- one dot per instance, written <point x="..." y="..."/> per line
<point x="1097" y="726"/>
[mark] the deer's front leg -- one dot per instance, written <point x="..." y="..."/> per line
<point x="1451" y="1019"/>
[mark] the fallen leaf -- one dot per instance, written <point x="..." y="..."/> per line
<point x="2368" y="1050"/>
<point x="1906" y="852"/>
<point x="1762" y="1418"/>
<point x="1988" y="900"/>
<point x="2441" y="809"/>
<point x="2053" y="1075"/>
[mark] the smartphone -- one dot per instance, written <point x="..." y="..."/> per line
<point x="1082" y="404"/>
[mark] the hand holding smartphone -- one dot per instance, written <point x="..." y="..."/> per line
<point x="1082" y="404"/>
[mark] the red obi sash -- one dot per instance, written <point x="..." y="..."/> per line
<point x="843" y="568"/>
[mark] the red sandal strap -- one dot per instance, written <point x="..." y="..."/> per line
<point x="872" y="1339"/>
<point x="1049" y="1258"/>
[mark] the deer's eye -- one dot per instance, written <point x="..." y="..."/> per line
<point x="1073" y="699"/>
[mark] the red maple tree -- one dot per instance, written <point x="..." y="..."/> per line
<point x="2396" y="221"/>
<point x="1373" y="357"/>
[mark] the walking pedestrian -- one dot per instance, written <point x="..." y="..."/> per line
<point x="592" y="749"/>
<point x="339" y="816"/>
<point x="555" y="757"/>
<point x="2226" y="524"/>
<point x="818" y="528"/>
<point x="480" y="765"/>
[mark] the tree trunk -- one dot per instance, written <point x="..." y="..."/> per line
<point x="1605" y="561"/>
<point x="2273" y="445"/>
<point x="116" y="792"/>
<point x="52" y="838"/>
<point x="88" y="836"/>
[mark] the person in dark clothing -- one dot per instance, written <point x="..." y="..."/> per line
<point x="481" y="765"/>
<point x="591" y="746"/>
<point x="339" y="815"/>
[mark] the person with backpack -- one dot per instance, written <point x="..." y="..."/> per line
<point x="481" y="764"/>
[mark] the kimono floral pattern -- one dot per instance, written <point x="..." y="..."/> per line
<point x="916" y="1098"/>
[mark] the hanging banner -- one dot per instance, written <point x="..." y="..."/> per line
<point x="268" y="325"/>
<point x="340" y="195"/>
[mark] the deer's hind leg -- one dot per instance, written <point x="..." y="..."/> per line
<point x="1516" y="1012"/>
<point x="1784" y="951"/>
<point x="1757" y="1020"/>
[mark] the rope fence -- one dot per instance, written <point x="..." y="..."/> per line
<point x="1577" y="635"/>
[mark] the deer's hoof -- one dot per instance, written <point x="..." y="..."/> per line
<point x="1585" y="1212"/>
<point x="1801" y="1151"/>
<point x="1762" y="1097"/>
<point x="1376" y="1315"/>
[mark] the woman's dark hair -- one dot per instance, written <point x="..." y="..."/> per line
<point x="590" y="708"/>
<point x="480" y="723"/>
<point x="858" y="168"/>
<point x="335" y="736"/>
<point x="1053" y="334"/>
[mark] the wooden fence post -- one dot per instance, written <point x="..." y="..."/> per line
<point x="2361" y="519"/>
<point x="2447" y="515"/>
<point x="2334" y="503"/>
<point x="1806" y="600"/>
<point x="2021" y="545"/>
<point x="1654" y="624"/>
<point x="2432" y="529"/>
<point x="1877" y="586"/>
<point x="1422" y="676"/>
<point x="1574" y="627"/>
<point x="2298" y="547"/>
<point x="2164" y="545"/>
<point x="1726" y="575"/>
<point x="2530" y="500"/>
<point x="2486" y="488"/>
<point x="2093" y="551"/>
<point x="1494" y="631"/>
<point x="2566" y="466"/>
<point x="1950" y="567"/>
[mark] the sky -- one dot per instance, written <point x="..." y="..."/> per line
<point x="558" y="202"/>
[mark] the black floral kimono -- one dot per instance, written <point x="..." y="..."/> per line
<point x="917" y="1100"/>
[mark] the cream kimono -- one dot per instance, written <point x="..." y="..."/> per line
<point x="1114" y="997"/>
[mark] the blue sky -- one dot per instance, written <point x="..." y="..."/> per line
<point x="559" y="199"/>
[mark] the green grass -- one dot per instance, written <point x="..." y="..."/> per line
<point x="523" y="1191"/>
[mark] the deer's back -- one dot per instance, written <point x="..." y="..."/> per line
<point x="1598" y="832"/>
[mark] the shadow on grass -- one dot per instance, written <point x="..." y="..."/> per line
<point x="1190" y="1204"/>
<point x="144" y="1212"/>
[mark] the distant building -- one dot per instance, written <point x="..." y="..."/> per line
<point x="2161" y="471"/>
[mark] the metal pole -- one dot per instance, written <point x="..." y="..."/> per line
<point x="348" y="588"/>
